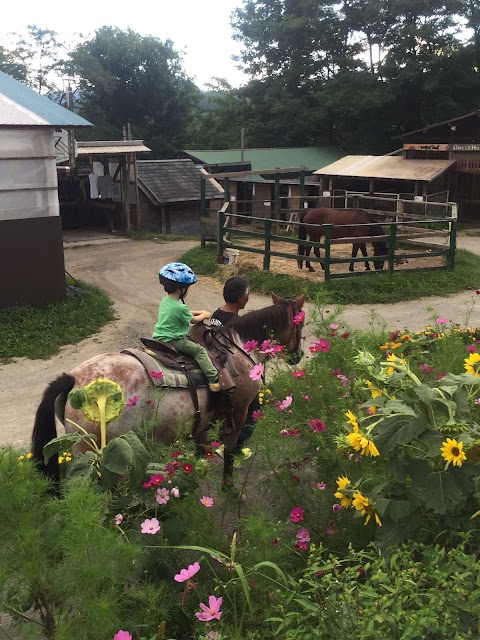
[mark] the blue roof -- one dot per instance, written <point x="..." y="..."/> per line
<point x="21" y="106"/>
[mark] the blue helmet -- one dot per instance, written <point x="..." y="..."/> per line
<point x="178" y="272"/>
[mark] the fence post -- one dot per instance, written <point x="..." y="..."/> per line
<point x="220" y="229"/>
<point x="328" y="236"/>
<point x="268" y="232"/>
<point x="302" y="189"/>
<point x="203" y="203"/>
<point x="453" y="246"/>
<point x="391" y="246"/>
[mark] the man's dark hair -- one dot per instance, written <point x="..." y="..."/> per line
<point x="234" y="288"/>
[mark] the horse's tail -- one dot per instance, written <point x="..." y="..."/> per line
<point x="302" y="235"/>
<point x="44" y="428"/>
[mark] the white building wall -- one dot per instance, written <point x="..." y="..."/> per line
<point x="28" y="175"/>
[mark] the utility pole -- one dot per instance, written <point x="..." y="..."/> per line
<point x="242" y="144"/>
<point x="71" y="132"/>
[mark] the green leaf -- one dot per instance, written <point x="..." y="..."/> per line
<point x="64" y="443"/>
<point x="442" y="492"/>
<point x="397" y="406"/>
<point x="425" y="393"/>
<point x="391" y="533"/>
<point x="140" y="458"/>
<point x="398" y="430"/>
<point x="398" y="509"/>
<point x="82" y="467"/>
<point x="117" y="456"/>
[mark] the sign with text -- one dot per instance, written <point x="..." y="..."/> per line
<point x="440" y="146"/>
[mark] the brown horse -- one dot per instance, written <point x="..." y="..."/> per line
<point x="355" y="219"/>
<point x="172" y="408"/>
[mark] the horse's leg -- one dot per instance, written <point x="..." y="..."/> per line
<point x="363" y="249"/>
<point x="307" y="263"/>
<point x="316" y="251"/>
<point x="355" y="248"/>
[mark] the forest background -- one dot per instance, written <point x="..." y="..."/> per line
<point x="353" y="74"/>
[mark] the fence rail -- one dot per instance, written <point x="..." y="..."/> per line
<point x="406" y="232"/>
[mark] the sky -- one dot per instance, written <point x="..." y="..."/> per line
<point x="198" y="28"/>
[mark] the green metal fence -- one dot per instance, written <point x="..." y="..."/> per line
<point x="411" y="234"/>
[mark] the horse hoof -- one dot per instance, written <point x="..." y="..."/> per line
<point x="311" y="269"/>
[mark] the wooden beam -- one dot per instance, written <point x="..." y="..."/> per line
<point x="229" y="174"/>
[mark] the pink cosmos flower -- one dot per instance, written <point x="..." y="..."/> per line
<point x="345" y="335"/>
<point x="321" y="486"/>
<point x="477" y="401"/>
<point x="298" y="374"/>
<point x="472" y="349"/>
<point x="425" y="368"/>
<point x="333" y="326"/>
<point x="215" y="444"/>
<point x="289" y="432"/>
<point x="206" y="501"/>
<point x="187" y="574"/>
<point x="132" y="402"/>
<point x="157" y="374"/>
<point x="118" y="519"/>
<point x="320" y="345"/>
<point x="440" y="375"/>
<point x="122" y="635"/>
<point x="175" y="492"/>
<point x="299" y="317"/>
<point x="256" y="415"/>
<point x="336" y="508"/>
<point x="296" y="514"/>
<point x="442" y="321"/>
<point x="187" y="467"/>
<point x="250" y="346"/>
<point x="212" y="612"/>
<point x="335" y="372"/>
<point x="331" y="531"/>
<point x="394" y="335"/>
<point x="163" y="496"/>
<point x="306" y="398"/>
<point x="303" y="535"/>
<point x="257" y="372"/>
<point x="266" y="346"/>
<point x="303" y="546"/>
<point x="317" y="425"/>
<point x="284" y="404"/>
<point x="156" y="479"/>
<point x="151" y="526"/>
<point x="343" y="379"/>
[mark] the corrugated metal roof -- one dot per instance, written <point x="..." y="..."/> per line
<point x="110" y="147"/>
<point x="273" y="158"/>
<point x="173" y="181"/>
<point x="386" y="167"/>
<point x="23" y="107"/>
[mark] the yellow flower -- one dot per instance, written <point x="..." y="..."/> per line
<point x="29" y="455"/>
<point x="343" y="483"/>
<point x="352" y="420"/>
<point x="20" y="458"/>
<point x="393" y="358"/>
<point x="452" y="451"/>
<point x="68" y="458"/>
<point x="362" y="504"/>
<point x="385" y="346"/>
<point x="470" y="362"/>
<point x="395" y="345"/>
<point x="406" y="337"/>
<point x="373" y="390"/>
<point x="361" y="443"/>
<point x="60" y="459"/>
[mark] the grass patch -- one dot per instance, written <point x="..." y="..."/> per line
<point x="39" y="333"/>
<point x="375" y="288"/>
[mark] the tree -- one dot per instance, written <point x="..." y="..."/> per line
<point x="10" y="63"/>
<point x="125" y="77"/>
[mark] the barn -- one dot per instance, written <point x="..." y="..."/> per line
<point x="170" y="192"/>
<point x="31" y="248"/>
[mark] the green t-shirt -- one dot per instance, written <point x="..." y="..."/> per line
<point x="173" y="320"/>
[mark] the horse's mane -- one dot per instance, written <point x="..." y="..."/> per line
<point x="259" y="325"/>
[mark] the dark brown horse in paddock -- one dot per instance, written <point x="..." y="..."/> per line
<point x="351" y="217"/>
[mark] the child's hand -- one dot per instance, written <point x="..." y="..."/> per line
<point x="200" y="315"/>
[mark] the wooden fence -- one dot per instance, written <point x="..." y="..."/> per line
<point x="232" y="227"/>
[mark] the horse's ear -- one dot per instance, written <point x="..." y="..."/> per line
<point x="275" y="298"/>
<point x="300" y="301"/>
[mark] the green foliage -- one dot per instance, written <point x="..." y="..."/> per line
<point x="377" y="288"/>
<point x="127" y="77"/>
<point x="40" y="332"/>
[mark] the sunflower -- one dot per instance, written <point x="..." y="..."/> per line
<point x="362" y="504"/>
<point x="343" y="483"/>
<point x="452" y="451"/>
<point x="352" y="420"/>
<point x="373" y="389"/>
<point x="361" y="443"/>
<point x="471" y="364"/>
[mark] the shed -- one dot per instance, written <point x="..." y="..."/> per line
<point x="31" y="248"/>
<point x="170" y="195"/>
<point x="457" y="140"/>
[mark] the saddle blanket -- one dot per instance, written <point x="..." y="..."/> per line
<point x="171" y="378"/>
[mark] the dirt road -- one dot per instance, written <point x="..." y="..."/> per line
<point x="127" y="271"/>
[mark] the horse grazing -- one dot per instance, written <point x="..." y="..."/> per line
<point x="324" y="215"/>
<point x="173" y="407"/>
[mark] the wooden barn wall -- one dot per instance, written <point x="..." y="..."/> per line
<point x="31" y="253"/>
<point x="174" y="217"/>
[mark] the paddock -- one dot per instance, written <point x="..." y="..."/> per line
<point x="413" y="245"/>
